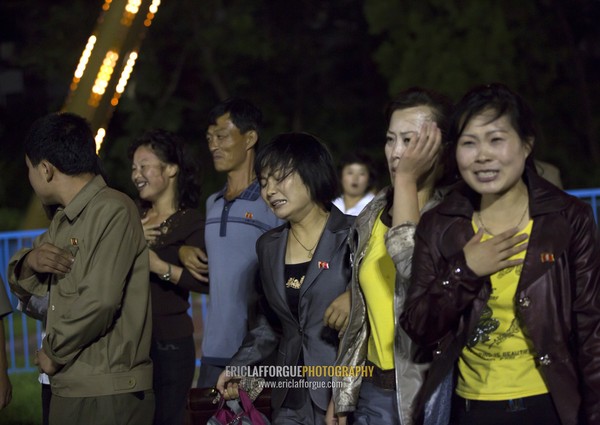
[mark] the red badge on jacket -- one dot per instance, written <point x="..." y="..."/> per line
<point x="547" y="257"/>
<point x="323" y="265"/>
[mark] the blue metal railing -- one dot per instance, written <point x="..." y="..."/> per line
<point x="20" y="347"/>
<point x="11" y="242"/>
<point x="589" y="195"/>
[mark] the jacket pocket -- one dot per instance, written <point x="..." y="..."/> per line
<point x="67" y="284"/>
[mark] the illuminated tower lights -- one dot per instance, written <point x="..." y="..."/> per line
<point x="105" y="73"/>
<point x="83" y="61"/>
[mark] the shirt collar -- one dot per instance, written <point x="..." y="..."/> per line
<point x="84" y="196"/>
<point x="251" y="193"/>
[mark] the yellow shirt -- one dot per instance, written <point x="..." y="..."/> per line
<point x="377" y="277"/>
<point x="498" y="363"/>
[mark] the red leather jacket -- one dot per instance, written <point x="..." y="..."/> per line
<point x="557" y="300"/>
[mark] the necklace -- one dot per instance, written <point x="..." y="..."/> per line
<point x="310" y="252"/>
<point x="485" y="229"/>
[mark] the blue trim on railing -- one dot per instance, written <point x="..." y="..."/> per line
<point x="589" y="195"/>
<point x="11" y="242"/>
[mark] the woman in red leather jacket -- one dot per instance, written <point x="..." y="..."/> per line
<point x="505" y="286"/>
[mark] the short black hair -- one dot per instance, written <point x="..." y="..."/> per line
<point x="170" y="149"/>
<point x="309" y="157"/>
<point x="243" y="114"/>
<point x="65" y="140"/>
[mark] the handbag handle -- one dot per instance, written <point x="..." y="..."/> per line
<point x="223" y="415"/>
<point x="255" y="416"/>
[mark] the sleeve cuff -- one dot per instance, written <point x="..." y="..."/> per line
<point x="33" y="286"/>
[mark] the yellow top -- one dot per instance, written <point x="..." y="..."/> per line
<point x="498" y="362"/>
<point x="377" y="277"/>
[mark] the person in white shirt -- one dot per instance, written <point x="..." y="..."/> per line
<point x="356" y="174"/>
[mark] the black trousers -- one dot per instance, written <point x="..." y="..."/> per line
<point x="46" y="397"/>
<point x="535" y="410"/>
<point x="174" y="365"/>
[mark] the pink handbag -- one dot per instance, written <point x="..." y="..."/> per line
<point x="232" y="413"/>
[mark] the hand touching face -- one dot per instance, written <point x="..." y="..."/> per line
<point x="412" y="143"/>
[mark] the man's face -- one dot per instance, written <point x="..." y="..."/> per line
<point x="228" y="147"/>
<point x="37" y="179"/>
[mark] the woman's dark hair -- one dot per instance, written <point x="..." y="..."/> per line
<point x="501" y="100"/>
<point x="360" y="158"/>
<point x="441" y="107"/>
<point x="170" y="149"/>
<point x="305" y="154"/>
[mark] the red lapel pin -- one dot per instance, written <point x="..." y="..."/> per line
<point x="323" y="265"/>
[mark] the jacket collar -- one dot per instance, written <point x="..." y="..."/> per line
<point x="361" y="229"/>
<point x="84" y="196"/>
<point x="543" y="199"/>
<point x="331" y="242"/>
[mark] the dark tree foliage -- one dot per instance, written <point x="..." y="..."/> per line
<point x="548" y="50"/>
<point x="322" y="66"/>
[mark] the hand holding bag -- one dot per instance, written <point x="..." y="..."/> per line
<point x="238" y="412"/>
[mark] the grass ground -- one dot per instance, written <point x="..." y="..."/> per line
<point x="26" y="405"/>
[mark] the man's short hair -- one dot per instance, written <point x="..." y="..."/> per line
<point x="243" y="114"/>
<point x="65" y="140"/>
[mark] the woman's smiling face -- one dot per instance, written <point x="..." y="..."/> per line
<point x="148" y="174"/>
<point x="490" y="154"/>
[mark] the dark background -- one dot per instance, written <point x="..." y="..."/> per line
<point x="323" y="66"/>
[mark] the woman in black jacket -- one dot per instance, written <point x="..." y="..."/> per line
<point x="506" y="279"/>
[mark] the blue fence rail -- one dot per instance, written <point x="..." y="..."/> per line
<point x="20" y="341"/>
<point x="590" y="196"/>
